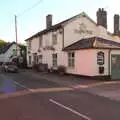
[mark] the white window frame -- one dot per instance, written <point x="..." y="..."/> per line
<point x="54" y="59"/>
<point x="71" y="59"/>
<point x="40" y="41"/>
<point x="30" y="60"/>
<point x="40" y="58"/>
<point x="29" y="45"/>
<point x="54" y="38"/>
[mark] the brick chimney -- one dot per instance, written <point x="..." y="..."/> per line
<point x="48" y="21"/>
<point x="102" y="17"/>
<point x="116" y="24"/>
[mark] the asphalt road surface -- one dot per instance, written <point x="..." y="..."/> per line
<point x="55" y="105"/>
<point x="11" y="82"/>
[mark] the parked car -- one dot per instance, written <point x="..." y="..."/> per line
<point x="9" y="67"/>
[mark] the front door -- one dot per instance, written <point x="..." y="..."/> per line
<point x="115" y="66"/>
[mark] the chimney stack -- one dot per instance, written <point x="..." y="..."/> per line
<point x="102" y="17"/>
<point x="116" y="24"/>
<point x="48" y="21"/>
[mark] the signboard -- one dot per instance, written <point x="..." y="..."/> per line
<point x="83" y="29"/>
<point x="100" y="58"/>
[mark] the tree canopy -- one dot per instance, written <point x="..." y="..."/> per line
<point x="2" y="43"/>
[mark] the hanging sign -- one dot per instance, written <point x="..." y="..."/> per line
<point x="100" y="58"/>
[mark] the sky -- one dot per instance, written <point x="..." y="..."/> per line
<point x="31" y="18"/>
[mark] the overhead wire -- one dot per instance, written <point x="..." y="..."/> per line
<point x="30" y="8"/>
<point x="25" y="11"/>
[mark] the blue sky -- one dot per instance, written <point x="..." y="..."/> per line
<point x="33" y="20"/>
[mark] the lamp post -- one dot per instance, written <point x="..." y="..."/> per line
<point x="16" y="33"/>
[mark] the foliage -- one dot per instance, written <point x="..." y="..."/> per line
<point x="2" y="43"/>
<point x="61" y="69"/>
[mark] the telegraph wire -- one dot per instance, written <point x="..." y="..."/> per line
<point x="30" y="8"/>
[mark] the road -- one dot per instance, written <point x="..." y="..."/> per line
<point x="66" y="104"/>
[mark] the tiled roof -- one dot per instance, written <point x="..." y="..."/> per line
<point x="59" y="25"/>
<point x="5" y="48"/>
<point x="93" y="42"/>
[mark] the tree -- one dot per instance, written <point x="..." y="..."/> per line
<point x="2" y="43"/>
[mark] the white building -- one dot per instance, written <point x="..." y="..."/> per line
<point x="83" y="46"/>
<point x="8" y="51"/>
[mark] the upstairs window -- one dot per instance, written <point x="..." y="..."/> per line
<point x="54" y="39"/>
<point x="40" y="41"/>
<point x="29" y="45"/>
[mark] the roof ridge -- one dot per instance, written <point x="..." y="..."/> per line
<point x="62" y="22"/>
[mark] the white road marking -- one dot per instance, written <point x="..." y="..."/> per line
<point x="23" y="86"/>
<point x="69" y="109"/>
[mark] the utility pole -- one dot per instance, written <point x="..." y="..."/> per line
<point x="16" y="33"/>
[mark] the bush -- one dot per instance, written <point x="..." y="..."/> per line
<point x="61" y="69"/>
<point x="35" y="67"/>
<point x="40" y="67"/>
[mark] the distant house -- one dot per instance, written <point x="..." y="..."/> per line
<point x="83" y="46"/>
<point x="8" y="52"/>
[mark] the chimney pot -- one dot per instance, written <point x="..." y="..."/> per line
<point x="48" y="21"/>
<point x="116" y="24"/>
<point x="102" y="17"/>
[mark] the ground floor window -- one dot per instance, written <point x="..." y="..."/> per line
<point x="35" y="58"/>
<point x="71" y="59"/>
<point x="54" y="56"/>
<point x="30" y="60"/>
<point x="40" y="57"/>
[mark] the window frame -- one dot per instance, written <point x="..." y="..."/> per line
<point x="30" y="60"/>
<point x="29" y="44"/>
<point x="54" y="60"/>
<point x="71" y="59"/>
<point x="40" y="41"/>
<point x="54" y="39"/>
<point x="40" y="58"/>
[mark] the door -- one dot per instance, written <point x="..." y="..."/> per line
<point x="115" y="66"/>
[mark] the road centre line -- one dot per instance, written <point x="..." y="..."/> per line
<point x="69" y="109"/>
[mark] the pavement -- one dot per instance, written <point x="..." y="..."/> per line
<point x="108" y="89"/>
<point x="33" y="96"/>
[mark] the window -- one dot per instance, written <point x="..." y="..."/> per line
<point x="46" y="39"/>
<point x="40" y="58"/>
<point x="54" y="60"/>
<point x="35" y="58"/>
<point x="29" y="45"/>
<point x="40" y="41"/>
<point x="71" y="59"/>
<point x="14" y="51"/>
<point x="29" y="60"/>
<point x="54" y="38"/>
